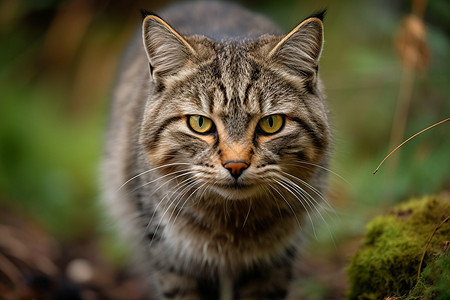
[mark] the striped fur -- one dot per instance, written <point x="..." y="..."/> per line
<point x="204" y="233"/>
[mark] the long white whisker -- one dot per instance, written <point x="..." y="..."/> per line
<point x="283" y="183"/>
<point x="318" y="166"/>
<point x="204" y="190"/>
<point x="192" y="182"/>
<point x="248" y="213"/>
<point x="150" y="170"/>
<point x="185" y="201"/>
<point x="181" y="175"/>
<point x="178" y="176"/>
<point x="180" y="185"/>
<point x="162" y="177"/>
<point x="161" y="201"/>
<point x="184" y="192"/>
<point x="311" y="199"/>
<point x="287" y="202"/>
<point x="271" y="193"/>
<point x="315" y="190"/>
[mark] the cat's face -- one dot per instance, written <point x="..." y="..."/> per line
<point x="234" y="119"/>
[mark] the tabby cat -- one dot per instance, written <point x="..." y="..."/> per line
<point x="217" y="149"/>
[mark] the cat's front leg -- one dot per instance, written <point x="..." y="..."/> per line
<point x="176" y="286"/>
<point x="265" y="283"/>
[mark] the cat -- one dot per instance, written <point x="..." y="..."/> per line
<point x="217" y="149"/>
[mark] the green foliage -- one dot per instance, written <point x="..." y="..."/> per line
<point x="387" y="263"/>
<point x="50" y="170"/>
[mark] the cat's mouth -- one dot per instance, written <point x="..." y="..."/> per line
<point x="236" y="186"/>
<point x="237" y="190"/>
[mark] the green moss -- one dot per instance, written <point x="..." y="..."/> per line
<point x="387" y="263"/>
<point x="434" y="280"/>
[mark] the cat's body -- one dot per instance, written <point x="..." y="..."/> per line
<point x="216" y="150"/>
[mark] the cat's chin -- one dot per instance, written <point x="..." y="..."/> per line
<point x="232" y="192"/>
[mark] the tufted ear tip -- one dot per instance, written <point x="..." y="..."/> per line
<point x="145" y="13"/>
<point x="166" y="49"/>
<point x="319" y="14"/>
<point x="300" y="49"/>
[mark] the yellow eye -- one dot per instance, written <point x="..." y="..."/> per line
<point x="271" y="124"/>
<point x="200" y="124"/>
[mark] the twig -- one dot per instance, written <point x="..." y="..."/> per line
<point x="426" y="248"/>
<point x="429" y="127"/>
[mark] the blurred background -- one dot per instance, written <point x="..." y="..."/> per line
<point x="386" y="76"/>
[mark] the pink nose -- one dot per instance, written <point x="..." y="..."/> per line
<point x="235" y="167"/>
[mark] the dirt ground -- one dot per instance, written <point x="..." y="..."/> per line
<point x="33" y="265"/>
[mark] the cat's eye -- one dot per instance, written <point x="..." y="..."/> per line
<point x="200" y="124"/>
<point x="271" y="124"/>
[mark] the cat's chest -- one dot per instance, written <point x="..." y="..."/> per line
<point x="228" y="240"/>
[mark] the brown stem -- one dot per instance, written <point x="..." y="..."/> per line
<point x="426" y="248"/>
<point x="429" y="127"/>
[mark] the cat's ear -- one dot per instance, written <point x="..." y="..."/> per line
<point x="300" y="49"/>
<point x="166" y="49"/>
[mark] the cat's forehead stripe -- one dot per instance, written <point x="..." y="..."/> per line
<point x="223" y="90"/>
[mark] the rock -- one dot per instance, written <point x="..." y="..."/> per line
<point x="387" y="263"/>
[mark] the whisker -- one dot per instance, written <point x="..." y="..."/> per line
<point x="328" y="208"/>
<point x="162" y="177"/>
<point x="206" y="188"/>
<point x="300" y="201"/>
<point x="190" y="183"/>
<point x="150" y="170"/>
<point x="314" y="189"/>
<point x="185" y="201"/>
<point x="318" y="166"/>
<point x="287" y="202"/>
<point x="271" y="193"/>
<point x="248" y="213"/>
<point x="184" y="192"/>
<point x="179" y="186"/>
<point x="310" y="200"/>
<point x="178" y="176"/>
<point x="161" y="201"/>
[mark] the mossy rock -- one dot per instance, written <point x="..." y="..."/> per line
<point x="434" y="281"/>
<point x="387" y="263"/>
